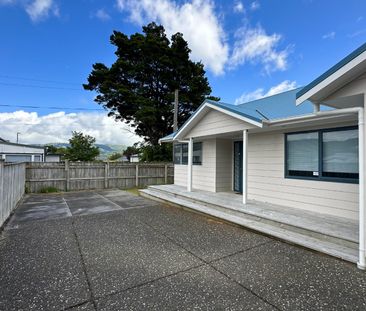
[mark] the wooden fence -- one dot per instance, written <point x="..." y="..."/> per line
<point x="12" y="181"/>
<point x="72" y="176"/>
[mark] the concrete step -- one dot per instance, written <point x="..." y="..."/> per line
<point x="299" y="219"/>
<point x="329" y="245"/>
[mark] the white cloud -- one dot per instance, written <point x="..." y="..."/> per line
<point x="256" y="46"/>
<point x="39" y="9"/>
<point x="239" y="7"/>
<point x="196" y="19"/>
<point x="57" y="127"/>
<point x="102" y="15"/>
<point x="329" y="35"/>
<point x="260" y="93"/>
<point x="357" y="33"/>
<point x="255" y="5"/>
<point x="36" y="9"/>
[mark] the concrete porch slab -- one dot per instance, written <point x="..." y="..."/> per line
<point x="322" y="223"/>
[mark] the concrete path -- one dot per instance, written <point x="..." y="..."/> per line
<point x="110" y="250"/>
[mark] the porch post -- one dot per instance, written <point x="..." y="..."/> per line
<point x="361" y="264"/>
<point x="245" y="166"/>
<point x="190" y="156"/>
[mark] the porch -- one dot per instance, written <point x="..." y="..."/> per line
<point x="335" y="236"/>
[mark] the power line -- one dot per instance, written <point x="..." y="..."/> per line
<point x="38" y="80"/>
<point x="52" y="107"/>
<point x="39" y="86"/>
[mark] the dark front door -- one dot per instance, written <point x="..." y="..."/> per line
<point x="238" y="166"/>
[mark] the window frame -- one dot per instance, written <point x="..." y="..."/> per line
<point x="181" y="154"/>
<point x="320" y="177"/>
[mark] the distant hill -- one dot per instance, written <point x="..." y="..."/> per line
<point x="105" y="149"/>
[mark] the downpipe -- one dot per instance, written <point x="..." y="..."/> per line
<point x="361" y="264"/>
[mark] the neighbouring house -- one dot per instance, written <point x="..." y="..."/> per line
<point x="53" y="157"/>
<point x="291" y="165"/>
<point x="13" y="152"/>
<point x="134" y="158"/>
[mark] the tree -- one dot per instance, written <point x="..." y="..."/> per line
<point x="138" y="87"/>
<point x="115" y="156"/>
<point x="156" y="153"/>
<point x="51" y="149"/>
<point x="130" y="150"/>
<point x="81" y="148"/>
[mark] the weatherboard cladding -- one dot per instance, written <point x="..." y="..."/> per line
<point x="332" y="70"/>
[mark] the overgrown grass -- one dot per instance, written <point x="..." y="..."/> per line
<point x="134" y="191"/>
<point x="48" y="190"/>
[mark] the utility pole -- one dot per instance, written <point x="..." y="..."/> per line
<point x="175" y="123"/>
<point x="18" y="136"/>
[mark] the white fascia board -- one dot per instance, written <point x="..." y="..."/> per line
<point x="336" y="75"/>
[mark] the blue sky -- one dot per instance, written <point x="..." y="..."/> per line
<point x="250" y="49"/>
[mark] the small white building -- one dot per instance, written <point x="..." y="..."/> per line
<point x="134" y="158"/>
<point x="13" y="152"/>
<point x="53" y="157"/>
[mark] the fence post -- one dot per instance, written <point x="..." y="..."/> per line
<point x="2" y="199"/>
<point x="67" y="175"/>
<point x="106" y="174"/>
<point x="166" y="174"/>
<point x="137" y="176"/>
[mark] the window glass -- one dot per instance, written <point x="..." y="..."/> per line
<point x="18" y="158"/>
<point x="184" y="153"/>
<point x="37" y="158"/>
<point x="197" y="153"/>
<point x="177" y="154"/>
<point x="340" y="154"/>
<point x="303" y="154"/>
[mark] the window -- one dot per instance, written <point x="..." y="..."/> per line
<point x="197" y="153"/>
<point x="340" y="154"/>
<point x="18" y="158"/>
<point x="302" y="154"/>
<point x="177" y="154"/>
<point x="181" y="154"/>
<point x="330" y="154"/>
<point x="184" y="154"/>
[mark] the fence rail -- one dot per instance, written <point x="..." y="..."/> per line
<point x="12" y="181"/>
<point x="71" y="176"/>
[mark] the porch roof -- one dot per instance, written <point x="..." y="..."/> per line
<point x="274" y="107"/>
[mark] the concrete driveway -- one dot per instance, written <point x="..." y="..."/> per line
<point x="111" y="250"/>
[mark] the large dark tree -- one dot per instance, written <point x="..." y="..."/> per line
<point x="139" y="86"/>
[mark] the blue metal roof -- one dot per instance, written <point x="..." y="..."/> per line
<point x="168" y="137"/>
<point x="235" y="109"/>
<point x="332" y="70"/>
<point x="277" y="106"/>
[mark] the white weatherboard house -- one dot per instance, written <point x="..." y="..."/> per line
<point x="296" y="170"/>
<point x="13" y="152"/>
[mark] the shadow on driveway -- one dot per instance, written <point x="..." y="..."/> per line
<point x="111" y="250"/>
